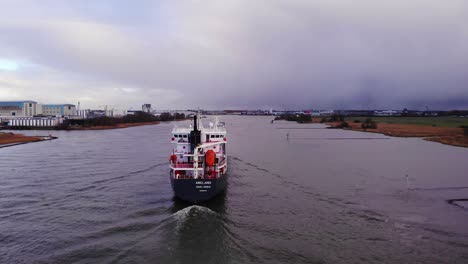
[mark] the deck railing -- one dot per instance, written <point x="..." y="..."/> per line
<point x="185" y="165"/>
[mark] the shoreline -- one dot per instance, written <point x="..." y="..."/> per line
<point x="445" y="135"/>
<point x="11" y="139"/>
<point x="76" y="128"/>
<point x="117" y="126"/>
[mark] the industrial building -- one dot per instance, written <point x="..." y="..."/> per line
<point x="58" y="110"/>
<point x="31" y="114"/>
<point x="10" y="109"/>
<point x="387" y="113"/>
<point x="147" y="108"/>
<point x="18" y="108"/>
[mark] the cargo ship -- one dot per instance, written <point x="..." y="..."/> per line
<point x="198" y="163"/>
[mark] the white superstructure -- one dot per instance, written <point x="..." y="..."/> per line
<point x="193" y="161"/>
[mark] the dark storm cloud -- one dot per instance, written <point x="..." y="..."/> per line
<point x="231" y="54"/>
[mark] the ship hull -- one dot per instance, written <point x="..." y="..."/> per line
<point x="197" y="190"/>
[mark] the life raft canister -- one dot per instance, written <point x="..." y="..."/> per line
<point x="210" y="157"/>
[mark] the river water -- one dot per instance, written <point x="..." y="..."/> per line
<point x="297" y="194"/>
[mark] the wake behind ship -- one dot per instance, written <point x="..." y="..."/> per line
<point x="199" y="161"/>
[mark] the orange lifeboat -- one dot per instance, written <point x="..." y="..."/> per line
<point x="210" y="157"/>
<point x="173" y="158"/>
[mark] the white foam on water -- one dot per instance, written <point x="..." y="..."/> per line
<point x="181" y="215"/>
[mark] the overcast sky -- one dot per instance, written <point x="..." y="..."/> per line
<point x="285" y="54"/>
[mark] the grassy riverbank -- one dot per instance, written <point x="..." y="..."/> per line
<point x="449" y="130"/>
<point x="442" y="121"/>
<point x="446" y="130"/>
<point x="10" y="138"/>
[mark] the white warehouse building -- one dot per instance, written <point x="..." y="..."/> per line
<point x="35" y="122"/>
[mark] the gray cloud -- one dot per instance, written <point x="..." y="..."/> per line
<point x="238" y="54"/>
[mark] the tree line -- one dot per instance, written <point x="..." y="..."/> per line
<point x="300" y="118"/>
<point x="137" y="117"/>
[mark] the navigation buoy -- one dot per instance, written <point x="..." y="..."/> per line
<point x="407" y="182"/>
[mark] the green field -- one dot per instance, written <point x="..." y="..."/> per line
<point x="442" y="121"/>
